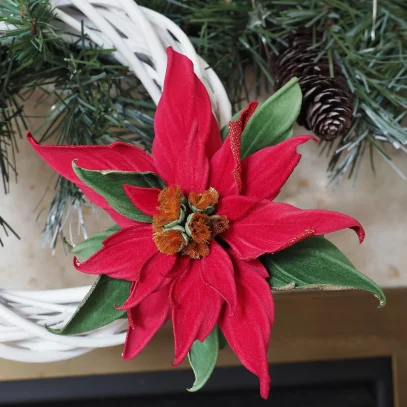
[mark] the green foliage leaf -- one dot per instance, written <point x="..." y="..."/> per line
<point x="318" y="264"/>
<point x="202" y="358"/>
<point x="110" y="183"/>
<point x="91" y="245"/>
<point x="98" y="307"/>
<point x="273" y="120"/>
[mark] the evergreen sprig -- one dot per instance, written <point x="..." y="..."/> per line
<point x="97" y="100"/>
<point x="372" y="53"/>
<point x="7" y="229"/>
<point x="371" y="50"/>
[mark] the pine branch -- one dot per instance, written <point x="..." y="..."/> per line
<point x="98" y="100"/>
<point x="372" y="55"/>
<point x="7" y="229"/>
<point x="230" y="35"/>
<point x="67" y="201"/>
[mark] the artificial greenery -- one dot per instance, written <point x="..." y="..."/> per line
<point x="94" y="311"/>
<point x="7" y="229"/>
<point x="109" y="184"/>
<point x="367" y="38"/>
<point x="273" y="121"/>
<point x="316" y="263"/>
<point x="203" y="357"/>
<point x="98" y="100"/>
<point x="95" y="99"/>
<point x="92" y="244"/>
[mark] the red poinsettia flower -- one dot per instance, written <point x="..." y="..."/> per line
<point x="197" y="262"/>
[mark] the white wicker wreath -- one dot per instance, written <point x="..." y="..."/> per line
<point x="140" y="37"/>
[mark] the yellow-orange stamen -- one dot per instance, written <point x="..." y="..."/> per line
<point x="199" y="228"/>
<point x="196" y="250"/>
<point x="169" y="241"/>
<point x="192" y="236"/>
<point x="219" y="224"/>
<point x="170" y="206"/>
<point x="203" y="201"/>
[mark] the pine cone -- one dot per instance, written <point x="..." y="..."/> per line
<point x="327" y="104"/>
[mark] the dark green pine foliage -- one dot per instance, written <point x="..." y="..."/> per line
<point x="95" y="99"/>
<point x="369" y="46"/>
<point x="6" y="229"/>
<point x="99" y="101"/>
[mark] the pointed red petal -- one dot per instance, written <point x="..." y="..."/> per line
<point x="256" y="266"/>
<point x="248" y="331"/>
<point x="225" y="174"/>
<point x="123" y="254"/>
<point x="116" y="156"/>
<point x="153" y="277"/>
<point x="192" y="167"/>
<point x="267" y="170"/>
<point x="235" y="207"/>
<point x="146" y="319"/>
<point x="144" y="199"/>
<point x="272" y="226"/>
<point x="183" y="115"/>
<point x="225" y="164"/>
<point x="195" y="310"/>
<point x="217" y="272"/>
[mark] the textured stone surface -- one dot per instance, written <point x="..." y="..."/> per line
<point x="378" y="202"/>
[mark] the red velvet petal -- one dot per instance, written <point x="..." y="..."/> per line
<point x="146" y="319"/>
<point x="235" y="207"/>
<point x="144" y="199"/>
<point x="257" y="267"/>
<point x="116" y="156"/>
<point x="183" y="113"/>
<point x="273" y="226"/>
<point x="153" y="276"/>
<point x="217" y="272"/>
<point x="195" y="310"/>
<point x="267" y="170"/>
<point x="248" y="331"/>
<point x="192" y="168"/>
<point x="123" y="254"/>
<point x="225" y="164"/>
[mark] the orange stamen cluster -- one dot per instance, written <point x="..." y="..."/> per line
<point x="205" y="200"/>
<point x="191" y="235"/>
<point x="169" y="241"/>
<point x="199" y="227"/>
<point x="219" y="224"/>
<point x="170" y="206"/>
<point x="195" y="250"/>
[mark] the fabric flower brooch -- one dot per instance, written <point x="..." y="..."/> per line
<point x="199" y="239"/>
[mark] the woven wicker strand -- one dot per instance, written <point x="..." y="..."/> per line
<point x="140" y="37"/>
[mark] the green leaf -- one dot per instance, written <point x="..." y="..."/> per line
<point x="110" y="183"/>
<point x="273" y="120"/>
<point x="202" y="358"/>
<point x="98" y="307"/>
<point x="91" y="245"/>
<point x="316" y="263"/>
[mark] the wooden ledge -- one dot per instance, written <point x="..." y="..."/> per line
<point x="310" y="326"/>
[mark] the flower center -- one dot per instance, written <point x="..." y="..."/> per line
<point x="187" y="227"/>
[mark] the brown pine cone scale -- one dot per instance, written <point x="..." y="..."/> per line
<point x="327" y="106"/>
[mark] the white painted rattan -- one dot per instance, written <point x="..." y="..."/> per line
<point x="140" y="37"/>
